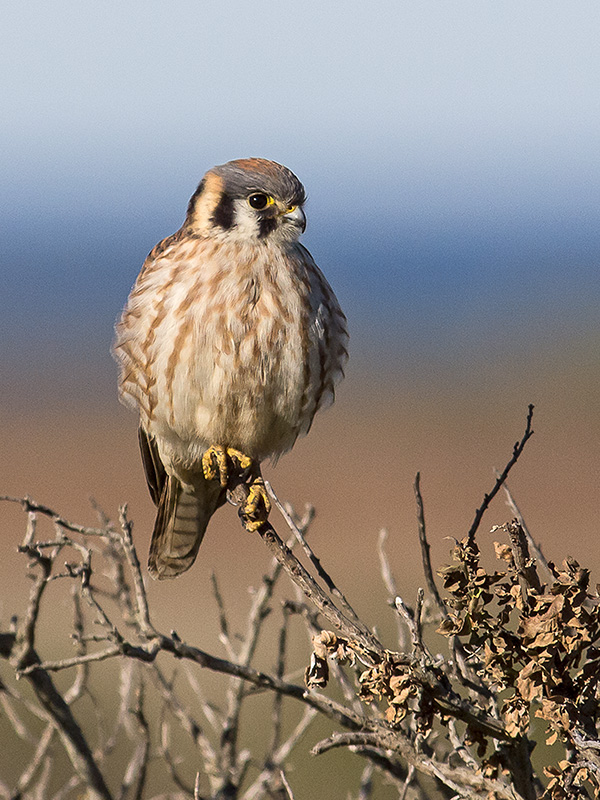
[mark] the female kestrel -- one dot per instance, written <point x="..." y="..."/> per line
<point x="230" y="342"/>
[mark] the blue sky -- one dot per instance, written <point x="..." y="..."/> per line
<point x="449" y="150"/>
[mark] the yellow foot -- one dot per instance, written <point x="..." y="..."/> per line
<point x="214" y="462"/>
<point x="256" y="509"/>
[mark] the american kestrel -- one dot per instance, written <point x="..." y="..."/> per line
<point x="230" y="342"/>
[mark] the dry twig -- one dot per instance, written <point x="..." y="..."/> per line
<point x="408" y="713"/>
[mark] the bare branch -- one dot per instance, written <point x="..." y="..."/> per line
<point x="24" y="655"/>
<point x="75" y="661"/>
<point x="426" y="549"/>
<point x="143" y="613"/>
<point x="467" y="783"/>
<point x="29" y="505"/>
<point x="138" y="764"/>
<point x="344" y="740"/>
<point x="528" y="577"/>
<point x="371" y="645"/>
<point x="29" y="773"/>
<point x="533" y="545"/>
<point x="71" y="734"/>
<point x="411" y="620"/>
<point x="223" y="624"/>
<point x="487" y="499"/>
<point x="286" y="785"/>
<point x="316" y="562"/>
<point x="171" y="763"/>
<point x="279" y="757"/>
<point x="366" y="783"/>
<point x="390" y="584"/>
<point x="188" y="723"/>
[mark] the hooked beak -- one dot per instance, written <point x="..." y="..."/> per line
<point x="296" y="216"/>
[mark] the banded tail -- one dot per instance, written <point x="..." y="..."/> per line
<point x="183" y="514"/>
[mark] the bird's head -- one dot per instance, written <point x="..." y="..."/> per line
<point x="248" y="199"/>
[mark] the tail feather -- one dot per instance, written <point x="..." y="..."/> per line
<point x="183" y="514"/>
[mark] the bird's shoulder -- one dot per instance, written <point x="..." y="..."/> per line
<point x="173" y="252"/>
<point x="181" y="244"/>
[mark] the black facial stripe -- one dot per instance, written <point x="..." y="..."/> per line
<point x="223" y="213"/>
<point x="266" y="226"/>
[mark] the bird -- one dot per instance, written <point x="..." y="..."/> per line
<point x="230" y="341"/>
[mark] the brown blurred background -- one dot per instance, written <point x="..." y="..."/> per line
<point x="357" y="466"/>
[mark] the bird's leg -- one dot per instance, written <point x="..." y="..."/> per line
<point x="256" y="509"/>
<point x="214" y="462"/>
<point x="256" y="506"/>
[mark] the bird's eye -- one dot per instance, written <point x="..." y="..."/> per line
<point x="259" y="200"/>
